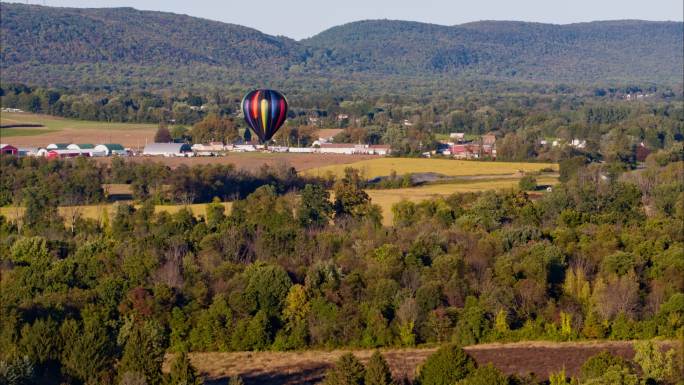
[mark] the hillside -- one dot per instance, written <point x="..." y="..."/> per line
<point x="598" y="51"/>
<point x="87" y="47"/>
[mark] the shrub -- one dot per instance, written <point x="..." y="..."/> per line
<point x="182" y="372"/>
<point x="655" y="364"/>
<point x="446" y="366"/>
<point x="596" y="365"/>
<point x="348" y="370"/>
<point x="485" y="375"/>
<point x="378" y="371"/>
<point x="614" y="375"/>
<point x="527" y="183"/>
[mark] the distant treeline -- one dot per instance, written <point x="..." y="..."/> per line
<point x="80" y="182"/>
<point x="612" y="128"/>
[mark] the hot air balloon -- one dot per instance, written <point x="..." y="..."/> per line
<point x="265" y="111"/>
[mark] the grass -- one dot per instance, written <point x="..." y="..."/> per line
<point x="308" y="366"/>
<point x="96" y="211"/>
<point x="386" y="198"/>
<point x="384" y="166"/>
<point x="55" y="124"/>
<point x="23" y="131"/>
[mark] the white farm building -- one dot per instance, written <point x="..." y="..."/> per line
<point x="168" y="149"/>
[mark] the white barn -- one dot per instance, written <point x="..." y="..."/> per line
<point x="111" y="149"/>
<point x="167" y="149"/>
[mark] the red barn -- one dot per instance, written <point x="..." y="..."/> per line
<point x="8" y="149"/>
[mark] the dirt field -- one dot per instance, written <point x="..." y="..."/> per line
<point x="252" y="161"/>
<point x="308" y="367"/>
<point x="60" y="130"/>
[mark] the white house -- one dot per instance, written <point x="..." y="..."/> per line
<point x="168" y="149"/>
<point x="110" y="149"/>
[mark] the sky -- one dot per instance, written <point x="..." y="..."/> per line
<point x="300" y="19"/>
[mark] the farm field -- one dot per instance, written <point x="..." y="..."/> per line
<point x="61" y="130"/>
<point x="253" y="161"/>
<point x="308" y="367"/>
<point x="96" y="211"/>
<point x="386" y="198"/>
<point x="372" y="168"/>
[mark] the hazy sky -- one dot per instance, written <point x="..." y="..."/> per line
<point x="303" y="18"/>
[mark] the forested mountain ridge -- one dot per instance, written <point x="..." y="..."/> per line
<point x="74" y="35"/>
<point x="576" y="52"/>
<point x="85" y="47"/>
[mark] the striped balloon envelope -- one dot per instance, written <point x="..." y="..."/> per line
<point x="265" y="111"/>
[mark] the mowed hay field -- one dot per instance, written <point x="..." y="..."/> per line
<point x="386" y="198"/>
<point x="96" y="212"/>
<point x="308" y="367"/>
<point x="61" y="130"/>
<point x="373" y="168"/>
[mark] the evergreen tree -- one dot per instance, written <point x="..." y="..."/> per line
<point x="378" y="371"/>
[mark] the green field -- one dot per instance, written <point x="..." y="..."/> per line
<point x="23" y="131"/>
<point x="384" y="166"/>
<point x="55" y="123"/>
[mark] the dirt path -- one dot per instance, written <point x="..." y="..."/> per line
<point x="308" y="367"/>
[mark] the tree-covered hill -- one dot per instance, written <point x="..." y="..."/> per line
<point x="124" y="47"/>
<point x="586" y="52"/>
<point x="49" y="35"/>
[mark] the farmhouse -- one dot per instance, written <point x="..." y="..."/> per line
<point x="110" y="149"/>
<point x="472" y="151"/>
<point x="168" y="149"/>
<point x="8" y="149"/>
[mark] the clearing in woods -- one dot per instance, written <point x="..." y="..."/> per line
<point x="54" y="129"/>
<point x="372" y="168"/>
<point x="309" y="366"/>
<point x="387" y="197"/>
